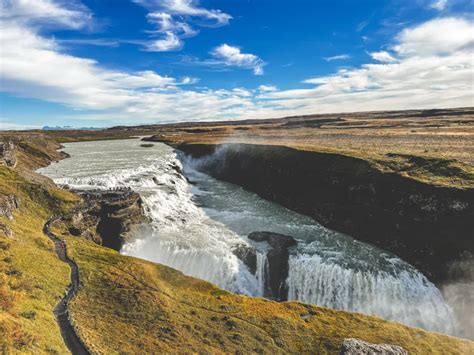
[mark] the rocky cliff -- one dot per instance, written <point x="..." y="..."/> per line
<point x="106" y="217"/>
<point x="429" y="226"/>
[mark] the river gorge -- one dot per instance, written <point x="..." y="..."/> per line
<point x="196" y="224"/>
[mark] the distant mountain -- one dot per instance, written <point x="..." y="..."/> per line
<point x="69" y="128"/>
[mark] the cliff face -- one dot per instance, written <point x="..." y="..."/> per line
<point x="428" y="226"/>
<point x="106" y="217"/>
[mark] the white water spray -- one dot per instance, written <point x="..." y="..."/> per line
<point x="406" y="295"/>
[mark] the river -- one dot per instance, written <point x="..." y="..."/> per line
<point x="196" y="222"/>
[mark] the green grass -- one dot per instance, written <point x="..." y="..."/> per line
<point x="32" y="279"/>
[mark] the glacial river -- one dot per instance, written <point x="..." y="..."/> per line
<point x="196" y="221"/>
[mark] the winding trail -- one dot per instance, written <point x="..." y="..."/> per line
<point x="61" y="311"/>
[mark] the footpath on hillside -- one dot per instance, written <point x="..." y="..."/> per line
<point x="61" y="311"/>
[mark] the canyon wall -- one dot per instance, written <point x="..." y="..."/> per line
<point x="429" y="226"/>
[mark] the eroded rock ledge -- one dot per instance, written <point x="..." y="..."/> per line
<point x="428" y="226"/>
<point x="106" y="217"/>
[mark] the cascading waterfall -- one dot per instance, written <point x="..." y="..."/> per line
<point x="262" y="272"/>
<point x="406" y="296"/>
<point x="181" y="235"/>
<point x="194" y="228"/>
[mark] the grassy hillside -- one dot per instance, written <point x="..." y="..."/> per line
<point x="127" y="305"/>
<point x="31" y="277"/>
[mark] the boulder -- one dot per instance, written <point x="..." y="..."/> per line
<point x="352" y="346"/>
<point x="248" y="255"/>
<point x="106" y="217"/>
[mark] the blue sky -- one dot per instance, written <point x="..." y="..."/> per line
<point x="109" y="62"/>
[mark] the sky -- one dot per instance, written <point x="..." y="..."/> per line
<point x="100" y="63"/>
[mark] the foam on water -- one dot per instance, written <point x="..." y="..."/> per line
<point x="195" y="226"/>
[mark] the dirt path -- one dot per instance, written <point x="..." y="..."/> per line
<point x="61" y="311"/>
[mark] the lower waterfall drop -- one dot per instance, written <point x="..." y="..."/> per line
<point x="406" y="296"/>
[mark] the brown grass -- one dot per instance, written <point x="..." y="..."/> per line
<point x="430" y="147"/>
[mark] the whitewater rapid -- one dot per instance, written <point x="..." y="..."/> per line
<point x="196" y="222"/>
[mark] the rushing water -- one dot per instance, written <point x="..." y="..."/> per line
<point x="196" y="221"/>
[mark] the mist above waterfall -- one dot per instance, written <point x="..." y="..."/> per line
<point x="197" y="221"/>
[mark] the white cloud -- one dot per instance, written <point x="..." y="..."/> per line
<point x="427" y="74"/>
<point x="439" y="4"/>
<point x="172" y="20"/>
<point x="45" y="12"/>
<point x="337" y="57"/>
<point x="267" y="88"/>
<point x="170" y="42"/>
<point x="5" y="125"/>
<point x="442" y="36"/>
<point x="165" y="23"/>
<point x="191" y="8"/>
<point x="383" y="56"/>
<point x="34" y="66"/>
<point x="233" y="56"/>
<point x="242" y="92"/>
<point x="188" y="81"/>
<point x="316" y="81"/>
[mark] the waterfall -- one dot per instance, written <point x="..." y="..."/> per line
<point x="406" y="296"/>
<point x="195" y="228"/>
<point x="262" y="272"/>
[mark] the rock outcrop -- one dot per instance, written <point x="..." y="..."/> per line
<point x="8" y="154"/>
<point x="106" y="217"/>
<point x="429" y="226"/>
<point x="7" y="204"/>
<point x="248" y="255"/>
<point x="277" y="257"/>
<point x="352" y="346"/>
